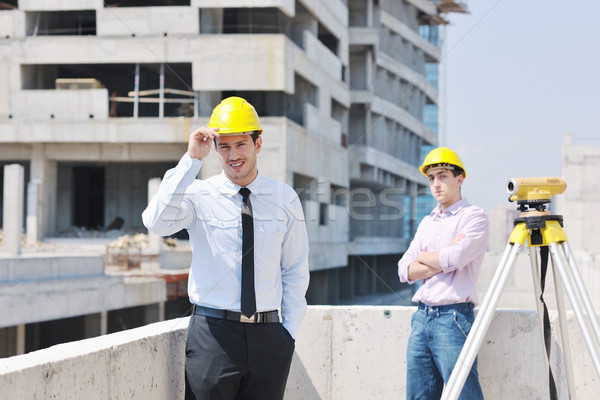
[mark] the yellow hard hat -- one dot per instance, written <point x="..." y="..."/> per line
<point x="440" y="157"/>
<point x="234" y="116"/>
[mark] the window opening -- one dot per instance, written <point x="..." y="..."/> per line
<point x="89" y="197"/>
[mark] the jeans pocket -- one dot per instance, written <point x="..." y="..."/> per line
<point x="463" y="324"/>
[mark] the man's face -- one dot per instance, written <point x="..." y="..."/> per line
<point x="238" y="157"/>
<point x="444" y="186"/>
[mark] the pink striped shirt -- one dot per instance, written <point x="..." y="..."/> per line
<point x="460" y="263"/>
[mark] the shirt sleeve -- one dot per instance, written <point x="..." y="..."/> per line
<point x="410" y="255"/>
<point x="476" y="231"/>
<point x="170" y="210"/>
<point x="294" y="269"/>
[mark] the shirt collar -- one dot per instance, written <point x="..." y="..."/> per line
<point x="228" y="188"/>
<point x="452" y="210"/>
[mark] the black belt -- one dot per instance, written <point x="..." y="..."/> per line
<point x="256" y="318"/>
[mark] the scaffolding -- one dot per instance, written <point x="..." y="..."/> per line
<point x="138" y="96"/>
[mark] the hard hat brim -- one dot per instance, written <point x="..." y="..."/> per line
<point x="229" y="132"/>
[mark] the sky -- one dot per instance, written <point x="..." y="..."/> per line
<point x="519" y="75"/>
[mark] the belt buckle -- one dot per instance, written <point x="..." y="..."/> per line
<point x="248" y="320"/>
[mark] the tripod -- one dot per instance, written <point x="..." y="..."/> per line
<point x="540" y="229"/>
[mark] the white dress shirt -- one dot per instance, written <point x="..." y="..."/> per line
<point x="211" y="212"/>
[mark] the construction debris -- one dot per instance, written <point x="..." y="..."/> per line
<point x="126" y="252"/>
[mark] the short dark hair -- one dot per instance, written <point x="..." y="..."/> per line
<point x="457" y="171"/>
<point x="255" y="136"/>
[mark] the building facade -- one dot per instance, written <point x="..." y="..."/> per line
<point x="99" y="97"/>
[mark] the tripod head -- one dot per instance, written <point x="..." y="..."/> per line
<point x="532" y="194"/>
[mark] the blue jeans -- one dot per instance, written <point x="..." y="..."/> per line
<point x="437" y="337"/>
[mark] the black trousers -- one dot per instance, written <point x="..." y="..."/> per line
<point x="229" y="360"/>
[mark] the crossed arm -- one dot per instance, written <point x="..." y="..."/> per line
<point x="428" y="263"/>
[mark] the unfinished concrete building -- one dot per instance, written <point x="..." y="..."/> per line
<point x="347" y="95"/>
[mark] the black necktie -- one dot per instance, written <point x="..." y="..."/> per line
<point x="248" y="296"/>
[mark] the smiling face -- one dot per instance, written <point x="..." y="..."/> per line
<point x="444" y="186"/>
<point x="238" y="157"/>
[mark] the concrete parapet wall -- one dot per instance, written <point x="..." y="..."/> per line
<point x="62" y="104"/>
<point x="341" y="353"/>
<point x="143" y="363"/>
<point x="412" y="36"/>
<point x="322" y="56"/>
<point x="265" y="63"/>
<point x="41" y="267"/>
<point x="55" y="5"/>
<point x="42" y="287"/>
<point x="12" y="24"/>
<point x="116" y="21"/>
<point x="286" y="6"/>
<point x="30" y="302"/>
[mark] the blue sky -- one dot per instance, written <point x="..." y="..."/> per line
<point x="519" y="76"/>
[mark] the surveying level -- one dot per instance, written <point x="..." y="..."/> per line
<point x="543" y="230"/>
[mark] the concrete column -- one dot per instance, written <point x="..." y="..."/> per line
<point x="93" y="325"/>
<point x="206" y="102"/>
<point x="369" y="13"/>
<point x="154" y="240"/>
<point x="369" y="61"/>
<point x="211" y="20"/>
<point x="14" y="176"/>
<point x="33" y="205"/>
<point x="8" y="341"/>
<point x="20" y="339"/>
<point x="368" y="124"/>
<point x="45" y="172"/>
<point x="346" y="282"/>
<point x="372" y="275"/>
<point x="324" y="105"/>
<point x="360" y="281"/>
<point x="103" y="322"/>
<point x="154" y="312"/>
<point x="413" y="208"/>
<point x="333" y="283"/>
<point x="323" y="190"/>
<point x="161" y="311"/>
<point x="303" y="20"/>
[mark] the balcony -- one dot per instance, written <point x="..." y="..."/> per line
<point x="143" y="21"/>
<point x="341" y="353"/>
<point x="40" y="286"/>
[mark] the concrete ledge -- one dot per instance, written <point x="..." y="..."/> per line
<point x="29" y="302"/>
<point x="129" y="364"/>
<point x="341" y="353"/>
<point x="39" y="267"/>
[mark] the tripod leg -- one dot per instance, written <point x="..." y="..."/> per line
<point x="481" y="324"/>
<point x="564" y="332"/>
<point x="581" y="287"/>
<point x="535" y="271"/>
<point x="560" y="264"/>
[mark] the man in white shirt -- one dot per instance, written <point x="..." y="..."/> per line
<point x="250" y="258"/>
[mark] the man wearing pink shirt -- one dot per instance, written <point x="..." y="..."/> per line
<point x="445" y="255"/>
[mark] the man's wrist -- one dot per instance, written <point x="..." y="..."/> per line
<point x="431" y="259"/>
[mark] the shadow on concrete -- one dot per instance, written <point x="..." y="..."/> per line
<point x="299" y="385"/>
